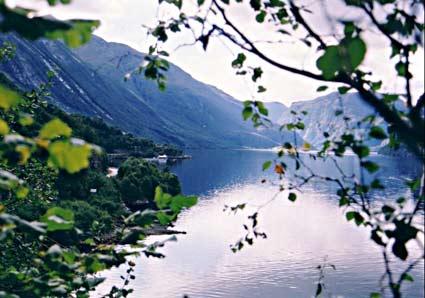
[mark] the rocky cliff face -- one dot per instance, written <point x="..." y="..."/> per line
<point x="326" y="114"/>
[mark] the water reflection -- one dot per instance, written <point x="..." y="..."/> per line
<point x="300" y="236"/>
<point x="210" y="170"/>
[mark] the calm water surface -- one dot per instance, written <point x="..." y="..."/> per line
<point x="301" y="236"/>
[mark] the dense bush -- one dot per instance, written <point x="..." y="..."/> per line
<point x="137" y="180"/>
<point x="91" y="219"/>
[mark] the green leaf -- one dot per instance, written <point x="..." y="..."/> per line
<point x="247" y="113"/>
<point x="26" y="119"/>
<point x="414" y="184"/>
<point x="318" y="290"/>
<point x="376" y="184"/>
<point x="262" y="108"/>
<point x="73" y="32"/>
<point x="349" y="29"/>
<point x="181" y="202"/>
<point x="58" y="219"/>
<point x="356" y="51"/>
<point x="55" y="128"/>
<point x="8" y="98"/>
<point x="377" y="238"/>
<point x="142" y="219"/>
<point x="162" y="199"/>
<point x="399" y="250"/>
<point x="343" y="90"/>
<point x="4" y="128"/>
<point x="132" y="236"/>
<point x="377" y="132"/>
<point x="70" y="157"/>
<point x="401" y="69"/>
<point x="407" y="277"/>
<point x="22" y="192"/>
<point x="375" y="295"/>
<point x="164" y="219"/>
<point x="322" y="88"/>
<point x="239" y="61"/>
<point x="292" y="197"/>
<point x="267" y="165"/>
<point x="350" y="215"/>
<point x="370" y="166"/>
<point x="376" y="85"/>
<point x="79" y="33"/>
<point x="358" y="218"/>
<point x="361" y="151"/>
<point x="343" y="201"/>
<point x="306" y="146"/>
<point x="257" y="74"/>
<point x="255" y="4"/>
<point x="346" y="57"/>
<point x="329" y="63"/>
<point x="300" y="125"/>
<point x="261" y="16"/>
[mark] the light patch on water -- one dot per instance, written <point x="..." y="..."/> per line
<point x="300" y="236"/>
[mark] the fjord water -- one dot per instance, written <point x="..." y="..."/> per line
<point x="301" y="235"/>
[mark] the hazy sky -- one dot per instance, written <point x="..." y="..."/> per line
<point x="122" y="22"/>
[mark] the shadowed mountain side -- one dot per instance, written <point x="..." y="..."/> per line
<point x="90" y="81"/>
<point x="77" y="89"/>
<point x="196" y="110"/>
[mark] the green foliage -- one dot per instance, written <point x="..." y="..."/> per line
<point x="8" y="98"/>
<point x="54" y="129"/>
<point x="377" y="132"/>
<point x="58" y="219"/>
<point x="339" y="61"/>
<point x="138" y="179"/>
<point x="239" y="61"/>
<point x="171" y="206"/>
<point x="343" y="58"/>
<point x="58" y="207"/>
<point x="74" y="32"/>
<point x="292" y="197"/>
<point x="92" y="219"/>
<point x="65" y="155"/>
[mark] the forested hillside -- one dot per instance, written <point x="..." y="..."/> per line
<point x="81" y="209"/>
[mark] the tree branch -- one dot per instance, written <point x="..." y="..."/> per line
<point x="296" y="12"/>
<point x="253" y="49"/>
<point x="382" y="28"/>
<point x="404" y="48"/>
<point x="408" y="134"/>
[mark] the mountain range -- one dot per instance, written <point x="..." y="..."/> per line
<point x="190" y="114"/>
<point x="90" y="81"/>
<point x="331" y="114"/>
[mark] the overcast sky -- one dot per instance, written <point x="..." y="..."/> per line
<point x="121" y="21"/>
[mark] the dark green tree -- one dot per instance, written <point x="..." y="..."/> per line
<point x="138" y="179"/>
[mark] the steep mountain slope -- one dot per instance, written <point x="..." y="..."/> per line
<point x="90" y="81"/>
<point x="197" y="111"/>
<point x="77" y="89"/>
<point x="276" y="110"/>
<point x="324" y="116"/>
